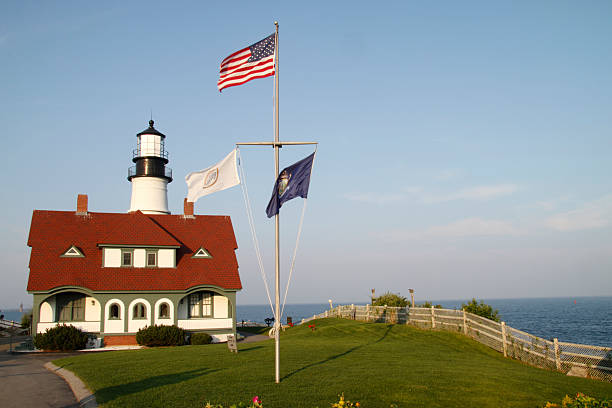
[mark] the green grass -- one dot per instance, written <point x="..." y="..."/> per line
<point x="375" y="364"/>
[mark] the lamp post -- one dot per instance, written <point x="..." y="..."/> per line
<point x="411" y="296"/>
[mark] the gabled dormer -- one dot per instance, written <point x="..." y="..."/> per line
<point x="72" y="252"/>
<point x="202" y="253"/>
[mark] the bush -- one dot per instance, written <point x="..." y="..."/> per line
<point x="200" y="338"/>
<point x="390" y="299"/>
<point x="428" y="305"/>
<point x="153" y="336"/>
<point x="26" y="320"/>
<point x="62" y="338"/>
<point x="481" y="309"/>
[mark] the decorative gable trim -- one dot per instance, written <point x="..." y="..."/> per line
<point x="202" y="253"/>
<point x="72" y="252"/>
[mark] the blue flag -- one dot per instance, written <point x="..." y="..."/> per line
<point x="292" y="182"/>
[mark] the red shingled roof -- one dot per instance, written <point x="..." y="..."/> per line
<point x="138" y="229"/>
<point x="53" y="232"/>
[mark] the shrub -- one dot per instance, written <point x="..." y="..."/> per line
<point x="428" y="305"/>
<point x="481" y="309"/>
<point x="390" y="299"/>
<point x="26" y="320"/>
<point x="153" y="336"/>
<point x="62" y="338"/>
<point x="200" y="338"/>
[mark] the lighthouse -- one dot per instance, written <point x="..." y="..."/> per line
<point x="150" y="176"/>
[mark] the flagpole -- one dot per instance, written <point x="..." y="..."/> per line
<point x="277" y="321"/>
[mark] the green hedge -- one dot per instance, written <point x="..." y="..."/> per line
<point x="153" y="336"/>
<point x="64" y="338"/>
<point x="200" y="338"/>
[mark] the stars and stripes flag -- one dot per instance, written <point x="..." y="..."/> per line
<point x="254" y="61"/>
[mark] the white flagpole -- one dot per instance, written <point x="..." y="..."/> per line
<point x="277" y="321"/>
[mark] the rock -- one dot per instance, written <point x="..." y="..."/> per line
<point x="578" y="372"/>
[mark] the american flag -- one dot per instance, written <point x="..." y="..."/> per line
<point x="255" y="61"/>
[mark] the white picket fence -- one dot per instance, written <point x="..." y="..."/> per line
<point x="593" y="361"/>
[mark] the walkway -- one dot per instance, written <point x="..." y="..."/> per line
<point x="25" y="383"/>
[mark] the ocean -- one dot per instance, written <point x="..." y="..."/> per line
<point x="584" y="320"/>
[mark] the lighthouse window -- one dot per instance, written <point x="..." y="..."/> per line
<point x="126" y="257"/>
<point x="151" y="258"/>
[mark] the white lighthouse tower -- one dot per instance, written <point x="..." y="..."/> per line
<point x="149" y="176"/>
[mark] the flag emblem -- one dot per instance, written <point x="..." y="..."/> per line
<point x="211" y="177"/>
<point x="254" y="61"/>
<point x="283" y="182"/>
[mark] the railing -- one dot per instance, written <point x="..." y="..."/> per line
<point x="167" y="173"/>
<point x="581" y="359"/>
<point x="7" y="324"/>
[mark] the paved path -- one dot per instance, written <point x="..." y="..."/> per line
<point x="25" y="383"/>
<point x="252" y="338"/>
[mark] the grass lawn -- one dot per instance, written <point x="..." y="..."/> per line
<point x="375" y="364"/>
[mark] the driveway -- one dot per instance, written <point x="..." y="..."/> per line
<point x="25" y="383"/>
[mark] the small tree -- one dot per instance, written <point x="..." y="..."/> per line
<point x="481" y="309"/>
<point x="390" y="299"/>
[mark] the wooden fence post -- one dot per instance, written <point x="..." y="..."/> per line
<point x="505" y="345"/>
<point x="465" y="331"/>
<point x="557" y="354"/>
<point x="433" y="318"/>
<point x="353" y="310"/>
<point x="367" y="313"/>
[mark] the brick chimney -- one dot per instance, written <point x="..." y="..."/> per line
<point x="188" y="208"/>
<point x="82" y="204"/>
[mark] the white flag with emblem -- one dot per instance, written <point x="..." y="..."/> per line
<point x="212" y="179"/>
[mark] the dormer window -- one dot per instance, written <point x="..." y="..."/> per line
<point x="138" y="256"/>
<point x="73" y="252"/>
<point x="202" y="253"/>
<point x="151" y="258"/>
<point x="127" y="257"/>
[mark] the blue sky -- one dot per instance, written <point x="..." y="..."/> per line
<point x="464" y="146"/>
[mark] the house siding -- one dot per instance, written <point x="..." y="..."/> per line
<point x="166" y="258"/>
<point x="112" y="257"/>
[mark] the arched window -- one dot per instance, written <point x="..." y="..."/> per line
<point x="164" y="311"/>
<point x="140" y="311"/>
<point x="114" y="311"/>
